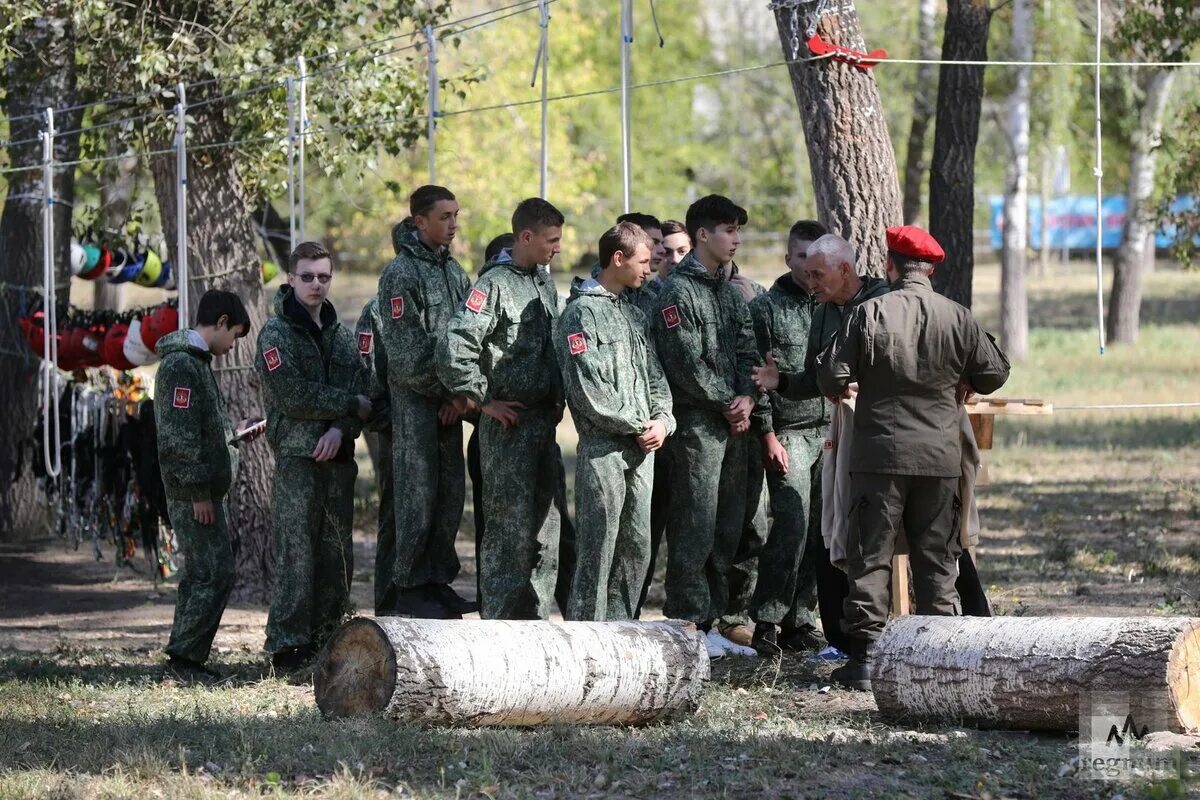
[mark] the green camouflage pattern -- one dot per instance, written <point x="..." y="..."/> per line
<point x="419" y="293"/>
<point x="205" y="581"/>
<point x="614" y="386"/>
<point x="312" y="514"/>
<point x="782" y="320"/>
<point x="373" y="356"/>
<point x="743" y="571"/>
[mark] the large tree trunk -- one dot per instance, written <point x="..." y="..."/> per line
<point x="923" y="97"/>
<point x="221" y="255"/>
<point x="1014" y="301"/>
<point x="496" y="672"/>
<point x="116" y="199"/>
<point x="952" y="175"/>
<point x="41" y="74"/>
<point x="850" y="154"/>
<point x="1125" y="302"/>
<point x="1031" y="673"/>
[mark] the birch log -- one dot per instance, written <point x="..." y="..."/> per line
<point x="1033" y="673"/>
<point x="493" y="672"/>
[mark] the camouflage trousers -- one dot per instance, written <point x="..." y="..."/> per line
<point x="312" y="513"/>
<point x="744" y="572"/>
<point x="660" y="510"/>
<point x="427" y="458"/>
<point x="522" y="478"/>
<point x="204" y="582"/>
<point x="708" y="502"/>
<point x="613" y="480"/>
<point x="380" y="445"/>
<point x="787" y="580"/>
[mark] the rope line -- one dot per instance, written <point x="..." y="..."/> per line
<point x="1122" y="406"/>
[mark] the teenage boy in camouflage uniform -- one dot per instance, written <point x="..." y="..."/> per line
<point x="622" y="408"/>
<point x="706" y="346"/>
<point x="314" y="389"/>
<point x="419" y="292"/>
<point x="198" y="467"/>
<point x="498" y="352"/>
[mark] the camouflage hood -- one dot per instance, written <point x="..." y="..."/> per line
<point x="589" y="287"/>
<point x="692" y="267"/>
<point x="178" y="342"/>
<point x="288" y="308"/>
<point x="406" y="243"/>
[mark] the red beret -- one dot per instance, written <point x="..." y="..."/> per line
<point x="911" y="241"/>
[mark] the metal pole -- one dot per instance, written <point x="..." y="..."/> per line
<point x="431" y="44"/>
<point x="181" y="230"/>
<point x="302" y="134"/>
<point x="1098" y="171"/>
<point x="544" y="55"/>
<point x="291" y="101"/>
<point x="626" y="44"/>
<point x="51" y="431"/>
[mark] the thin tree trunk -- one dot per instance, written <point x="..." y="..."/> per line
<point x="923" y="103"/>
<point x="850" y="154"/>
<point x="1014" y="301"/>
<point x="41" y="74"/>
<point x="116" y="198"/>
<point x="221" y="255"/>
<point x="952" y="175"/>
<point x="1125" y="302"/>
<point x="1033" y="673"/>
<point x="1044" y="190"/>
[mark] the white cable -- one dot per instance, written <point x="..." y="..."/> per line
<point x="1098" y="171"/>
<point x="1114" y="406"/>
<point x="181" y="227"/>
<point x="626" y="46"/>
<point x="51" y="425"/>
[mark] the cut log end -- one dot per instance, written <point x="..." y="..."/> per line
<point x="1183" y="678"/>
<point x="358" y="674"/>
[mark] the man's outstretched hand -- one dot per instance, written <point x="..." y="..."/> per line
<point x="766" y="379"/>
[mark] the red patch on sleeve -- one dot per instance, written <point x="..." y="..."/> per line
<point x="273" y="359"/>
<point x="670" y="316"/>
<point x="577" y="343"/>
<point x="828" y="444"/>
<point x="475" y="300"/>
<point x="183" y="397"/>
<point x="397" y="307"/>
<point x="364" y="342"/>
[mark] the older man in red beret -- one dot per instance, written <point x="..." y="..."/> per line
<point x="909" y="350"/>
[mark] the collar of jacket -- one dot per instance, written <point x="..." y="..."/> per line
<point x="918" y="282"/>
<point x="691" y="267"/>
<point x="870" y="288"/>
<point x="590" y="288"/>
<point x="786" y="285"/>
<point x="288" y="308"/>
<point x="406" y="240"/>
<point x="177" y="342"/>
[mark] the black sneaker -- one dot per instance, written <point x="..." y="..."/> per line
<point x="291" y="659"/>
<point x="802" y="640"/>
<point x="450" y="599"/>
<point x="418" y="603"/>
<point x="854" y="675"/>
<point x="187" y="671"/>
<point x="765" y="639"/>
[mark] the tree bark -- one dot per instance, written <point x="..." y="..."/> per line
<point x="952" y="175"/>
<point x="849" y="151"/>
<point x="41" y="74"/>
<point x="1125" y="301"/>
<point x="923" y="101"/>
<point x="221" y="255"/>
<point x="1030" y="673"/>
<point x="1014" y="301"/>
<point x="116" y="199"/>
<point x="493" y="672"/>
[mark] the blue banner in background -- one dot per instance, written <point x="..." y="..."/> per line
<point x="1072" y="222"/>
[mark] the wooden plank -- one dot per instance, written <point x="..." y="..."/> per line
<point x="1010" y="406"/>
<point x="901" y="604"/>
<point x="983" y="425"/>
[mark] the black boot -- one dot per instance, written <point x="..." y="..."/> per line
<point x="854" y="675"/>
<point x="291" y="659"/>
<point x="187" y="671"/>
<point x="765" y="639"/>
<point x="801" y="640"/>
<point x="450" y="599"/>
<point x="417" y="602"/>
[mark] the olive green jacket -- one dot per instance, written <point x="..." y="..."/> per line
<point x="782" y="319"/>
<point x="373" y="356"/>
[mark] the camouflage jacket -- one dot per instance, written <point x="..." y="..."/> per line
<point x="374" y="360"/>
<point x="704" y="339"/>
<point x="311" y="378"/>
<point x="647" y="297"/>
<point x="782" y="318"/>
<point x="419" y="292"/>
<point x="498" y="346"/>
<point x="197" y="461"/>
<point x="639" y="297"/>
<point x="747" y="288"/>
<point x="827" y="321"/>
<point x="614" y="383"/>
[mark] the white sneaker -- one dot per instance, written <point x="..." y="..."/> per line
<point x="713" y="644"/>
<point x="730" y="647"/>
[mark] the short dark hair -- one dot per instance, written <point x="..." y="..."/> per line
<point x="907" y="265"/>
<point x="533" y="214"/>
<point x="670" y="227"/>
<point x="807" y="230"/>
<point x="643" y="221"/>
<point x="308" y="251"/>
<point x="625" y="237"/>
<point x="217" y="303"/>
<point x="422" y="201"/>
<point x="713" y="210"/>
<point x="495" y="246"/>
